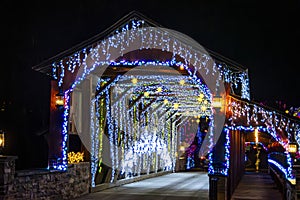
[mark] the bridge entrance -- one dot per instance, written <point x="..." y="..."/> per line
<point x="145" y="117"/>
<point x="144" y="99"/>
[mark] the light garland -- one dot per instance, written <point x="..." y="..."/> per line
<point x="62" y="162"/>
<point x="94" y="155"/>
<point x="155" y="38"/>
<point x="225" y="168"/>
<point x="261" y="144"/>
<point x="269" y="121"/>
<point x="75" y="157"/>
<point x="287" y="171"/>
<point x="221" y="170"/>
<point x="116" y="111"/>
<point x="99" y="55"/>
<point x="143" y="146"/>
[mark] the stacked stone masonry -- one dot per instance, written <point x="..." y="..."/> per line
<point x="45" y="184"/>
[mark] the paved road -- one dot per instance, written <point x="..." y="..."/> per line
<point x="174" y="186"/>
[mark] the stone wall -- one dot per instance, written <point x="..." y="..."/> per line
<point x="45" y="184"/>
<point x="7" y="173"/>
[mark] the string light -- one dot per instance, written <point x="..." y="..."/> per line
<point x="134" y="81"/>
<point x="225" y="167"/>
<point x="75" y="157"/>
<point x="287" y="170"/>
<point x="118" y="113"/>
<point x="88" y="59"/>
<point x="221" y="170"/>
<point x="114" y="41"/>
<point x="268" y="121"/>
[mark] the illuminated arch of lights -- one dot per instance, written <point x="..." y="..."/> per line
<point x="118" y="40"/>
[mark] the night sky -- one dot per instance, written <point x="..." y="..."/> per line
<point x="261" y="36"/>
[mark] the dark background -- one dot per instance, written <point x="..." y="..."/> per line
<point x="263" y="36"/>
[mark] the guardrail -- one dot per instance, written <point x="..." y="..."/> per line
<point x="282" y="172"/>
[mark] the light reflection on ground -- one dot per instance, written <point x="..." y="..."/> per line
<point x="183" y="185"/>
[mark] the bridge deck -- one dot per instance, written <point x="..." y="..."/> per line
<point x="183" y="185"/>
<point x="256" y="186"/>
<point x="190" y="186"/>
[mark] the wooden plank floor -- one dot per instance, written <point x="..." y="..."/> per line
<point x="257" y="185"/>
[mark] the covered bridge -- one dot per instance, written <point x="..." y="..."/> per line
<point x="139" y="95"/>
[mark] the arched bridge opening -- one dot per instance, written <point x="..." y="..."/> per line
<point x="145" y="99"/>
<point x="143" y="114"/>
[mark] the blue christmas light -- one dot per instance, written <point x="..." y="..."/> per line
<point x="88" y="59"/>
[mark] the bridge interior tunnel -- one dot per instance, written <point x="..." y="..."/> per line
<point x="146" y="117"/>
<point x="150" y="117"/>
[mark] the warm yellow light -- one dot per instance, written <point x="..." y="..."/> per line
<point x="205" y="101"/>
<point x="59" y="100"/>
<point x="181" y="67"/>
<point x="199" y="99"/>
<point x="166" y="101"/>
<point x="292" y="148"/>
<point x="203" y="108"/>
<point x="1" y="139"/>
<point x="198" y="120"/>
<point x="182" y="82"/>
<point x="201" y="95"/>
<point x="103" y="83"/>
<point x="256" y="135"/>
<point x="75" y="157"/>
<point x="159" y="89"/>
<point x="292" y="181"/>
<point x="146" y="94"/>
<point x="134" y="81"/>
<point x="181" y="148"/>
<point x="217" y="102"/>
<point x="1" y="142"/>
<point x="287" y="111"/>
<point x="176" y="106"/>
